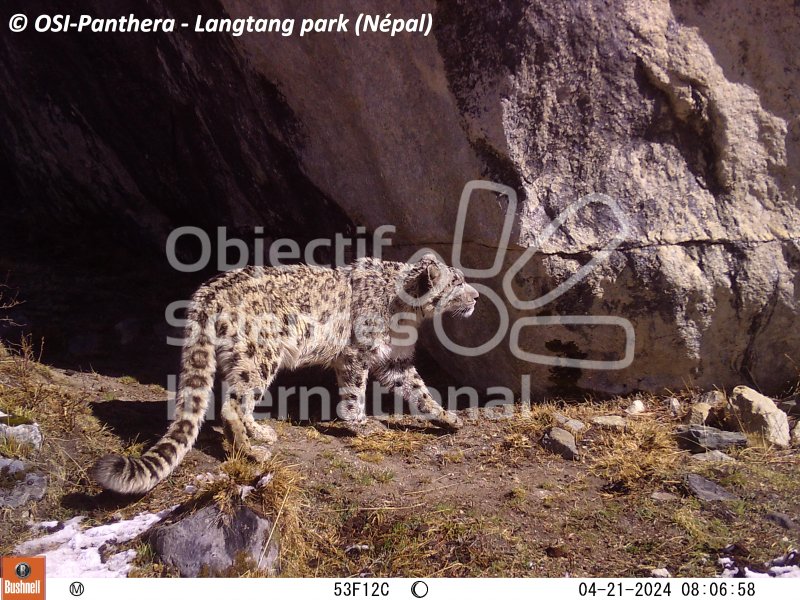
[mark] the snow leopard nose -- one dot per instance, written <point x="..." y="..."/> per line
<point x="472" y="293"/>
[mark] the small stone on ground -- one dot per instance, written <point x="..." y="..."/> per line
<point x="702" y="438"/>
<point x="571" y="425"/>
<point x="663" y="496"/>
<point x="714" y="397"/>
<point x="706" y="489"/>
<point x="757" y="414"/>
<point x="609" y="422"/>
<point x="636" y="408"/>
<point x="713" y="456"/>
<point x="674" y="406"/>
<point x="22" y="434"/>
<point x="18" y="484"/>
<point x="561" y="442"/>
<point x="698" y="414"/>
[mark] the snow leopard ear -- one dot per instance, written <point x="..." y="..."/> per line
<point x="433" y="267"/>
<point x="429" y="276"/>
<point x="434" y="272"/>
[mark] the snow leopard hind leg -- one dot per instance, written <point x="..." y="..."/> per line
<point x="246" y="381"/>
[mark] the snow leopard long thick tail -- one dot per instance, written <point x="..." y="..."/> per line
<point x="127" y="475"/>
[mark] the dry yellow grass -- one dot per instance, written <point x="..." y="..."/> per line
<point x="531" y="421"/>
<point x="645" y="452"/>
<point x="517" y="441"/>
<point x="70" y="431"/>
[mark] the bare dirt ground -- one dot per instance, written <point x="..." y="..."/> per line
<point x="414" y="501"/>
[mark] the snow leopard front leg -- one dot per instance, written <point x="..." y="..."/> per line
<point x="351" y="373"/>
<point x="400" y="374"/>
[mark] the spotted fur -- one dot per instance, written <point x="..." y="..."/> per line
<point x="253" y="322"/>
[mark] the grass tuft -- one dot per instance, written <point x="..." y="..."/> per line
<point x="644" y="453"/>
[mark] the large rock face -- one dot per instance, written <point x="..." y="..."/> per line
<point x="682" y="114"/>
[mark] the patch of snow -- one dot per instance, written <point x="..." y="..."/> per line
<point x="74" y="552"/>
<point x="785" y="566"/>
<point x="793" y="571"/>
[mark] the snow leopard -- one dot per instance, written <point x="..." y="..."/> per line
<point x="250" y="323"/>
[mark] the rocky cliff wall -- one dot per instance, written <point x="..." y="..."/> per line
<point x="683" y="115"/>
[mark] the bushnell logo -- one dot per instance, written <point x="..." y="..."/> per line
<point x="23" y="570"/>
<point x="23" y="577"/>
